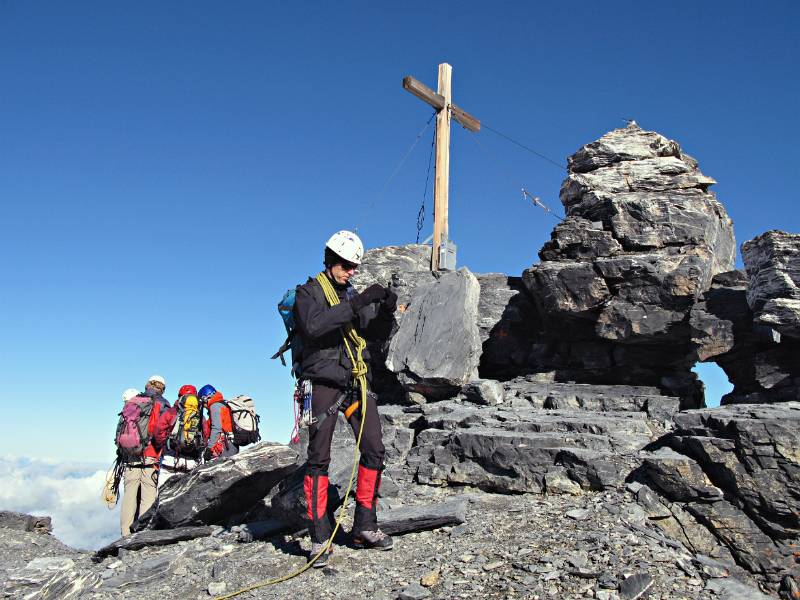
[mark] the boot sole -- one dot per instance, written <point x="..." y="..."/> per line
<point x="363" y="546"/>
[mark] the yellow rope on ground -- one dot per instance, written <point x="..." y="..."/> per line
<point x="349" y="335"/>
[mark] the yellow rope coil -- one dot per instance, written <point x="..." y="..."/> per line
<point x="349" y="335"/>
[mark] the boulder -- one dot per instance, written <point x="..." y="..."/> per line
<point x="484" y="391"/>
<point x="220" y="491"/>
<point x="641" y="241"/>
<point x="772" y="261"/>
<point x="437" y="348"/>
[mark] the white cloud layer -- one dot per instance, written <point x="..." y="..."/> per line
<point x="70" y="493"/>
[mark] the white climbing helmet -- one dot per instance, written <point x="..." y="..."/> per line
<point x="157" y="379"/>
<point x="129" y="393"/>
<point x="346" y="245"/>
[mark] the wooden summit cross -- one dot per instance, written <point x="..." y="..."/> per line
<point x="443" y="103"/>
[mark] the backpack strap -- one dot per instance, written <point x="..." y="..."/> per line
<point x="284" y="348"/>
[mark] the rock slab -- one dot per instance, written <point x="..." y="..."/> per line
<point x="437" y="348"/>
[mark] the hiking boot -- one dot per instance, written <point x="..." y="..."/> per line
<point x="322" y="561"/>
<point x="373" y="539"/>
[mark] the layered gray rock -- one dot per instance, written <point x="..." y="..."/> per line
<point x="23" y="522"/>
<point x="530" y="391"/>
<point x="772" y="261"/>
<point x="641" y="241"/>
<point x="437" y="348"/>
<point x="736" y="470"/>
<point x="509" y="323"/>
<point x="220" y="491"/>
<point x="763" y="365"/>
<point x="516" y="449"/>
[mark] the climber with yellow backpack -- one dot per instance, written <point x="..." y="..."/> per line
<point x="179" y="435"/>
<point x="331" y="318"/>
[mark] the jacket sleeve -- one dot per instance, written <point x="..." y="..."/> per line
<point x="216" y="422"/>
<point x="314" y="320"/>
<point x="163" y="428"/>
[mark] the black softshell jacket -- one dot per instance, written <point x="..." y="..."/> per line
<point x="324" y="357"/>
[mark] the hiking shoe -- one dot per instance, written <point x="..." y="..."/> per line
<point x="322" y="561"/>
<point x="373" y="539"/>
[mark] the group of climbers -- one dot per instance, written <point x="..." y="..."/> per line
<point x="329" y="323"/>
<point x="156" y="441"/>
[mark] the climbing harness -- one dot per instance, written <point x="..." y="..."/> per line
<point x="351" y="341"/>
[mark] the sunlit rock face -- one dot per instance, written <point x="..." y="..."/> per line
<point x="642" y="239"/>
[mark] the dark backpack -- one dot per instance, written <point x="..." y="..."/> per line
<point x="293" y="341"/>
<point x="187" y="437"/>
<point x="133" y="435"/>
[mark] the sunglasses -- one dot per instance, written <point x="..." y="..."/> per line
<point x="348" y="266"/>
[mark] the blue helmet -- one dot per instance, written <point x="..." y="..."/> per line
<point x="206" y="392"/>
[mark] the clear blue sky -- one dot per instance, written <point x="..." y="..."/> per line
<point x="169" y="169"/>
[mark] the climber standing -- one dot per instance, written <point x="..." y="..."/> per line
<point x="135" y="451"/>
<point x="328" y="364"/>
<point x="179" y="435"/>
<point x="219" y="426"/>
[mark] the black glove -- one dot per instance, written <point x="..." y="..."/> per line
<point x="390" y="302"/>
<point x="374" y="293"/>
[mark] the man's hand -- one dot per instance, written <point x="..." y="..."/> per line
<point x="374" y="293"/>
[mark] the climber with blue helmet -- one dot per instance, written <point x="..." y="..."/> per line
<point x="219" y="424"/>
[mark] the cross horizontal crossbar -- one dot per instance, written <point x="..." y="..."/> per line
<point x="437" y="101"/>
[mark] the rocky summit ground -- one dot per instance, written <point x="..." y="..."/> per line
<point x="519" y="546"/>
<point x="545" y="435"/>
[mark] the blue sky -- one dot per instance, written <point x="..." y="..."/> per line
<point x="168" y="170"/>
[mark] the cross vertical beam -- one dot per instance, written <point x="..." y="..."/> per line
<point x="442" y="181"/>
<point x="442" y="102"/>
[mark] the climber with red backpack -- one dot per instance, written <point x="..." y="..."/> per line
<point x="179" y="435"/>
<point x="137" y="458"/>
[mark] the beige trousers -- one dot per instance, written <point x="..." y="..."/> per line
<point x="138" y="495"/>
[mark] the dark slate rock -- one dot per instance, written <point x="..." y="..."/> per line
<point x="772" y="261"/>
<point x="636" y="586"/>
<point x="762" y="365"/>
<point x="751" y="452"/>
<point x="23" y="522"/>
<point x="143" y="539"/>
<point x="507" y="322"/>
<point x="484" y="391"/>
<point x="749" y="545"/>
<point x="679" y="477"/>
<point x="259" y="530"/>
<point x="220" y="490"/>
<point x="406" y="519"/>
<point x="437" y="348"/>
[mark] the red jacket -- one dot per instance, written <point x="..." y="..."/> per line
<point x="164" y="427"/>
<point x="150" y="451"/>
